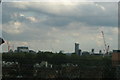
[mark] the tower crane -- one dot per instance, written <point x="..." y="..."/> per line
<point x="106" y="46"/>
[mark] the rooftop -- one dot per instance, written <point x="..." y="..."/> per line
<point x="116" y="50"/>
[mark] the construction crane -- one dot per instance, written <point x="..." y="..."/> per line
<point x="106" y="46"/>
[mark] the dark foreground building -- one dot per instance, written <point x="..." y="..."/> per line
<point x="116" y="58"/>
<point x="116" y="62"/>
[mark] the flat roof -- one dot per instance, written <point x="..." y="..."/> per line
<point x="116" y="50"/>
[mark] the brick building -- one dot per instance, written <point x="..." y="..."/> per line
<point x="116" y="58"/>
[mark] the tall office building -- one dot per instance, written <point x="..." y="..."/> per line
<point x="80" y="52"/>
<point x="77" y="48"/>
<point x="92" y="51"/>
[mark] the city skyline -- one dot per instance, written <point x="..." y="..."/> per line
<point x="57" y="26"/>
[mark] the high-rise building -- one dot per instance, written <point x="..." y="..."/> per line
<point x="80" y="52"/>
<point x="92" y="51"/>
<point x="100" y="51"/>
<point x="77" y="48"/>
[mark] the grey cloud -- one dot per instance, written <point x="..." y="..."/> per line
<point x="29" y="34"/>
<point x="87" y="16"/>
<point x="90" y="15"/>
<point x="57" y="21"/>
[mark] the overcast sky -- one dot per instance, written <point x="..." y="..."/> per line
<point x="53" y="26"/>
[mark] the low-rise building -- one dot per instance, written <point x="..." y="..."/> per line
<point x="22" y="49"/>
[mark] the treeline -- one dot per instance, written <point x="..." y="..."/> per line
<point x="56" y="58"/>
<point x="87" y="65"/>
